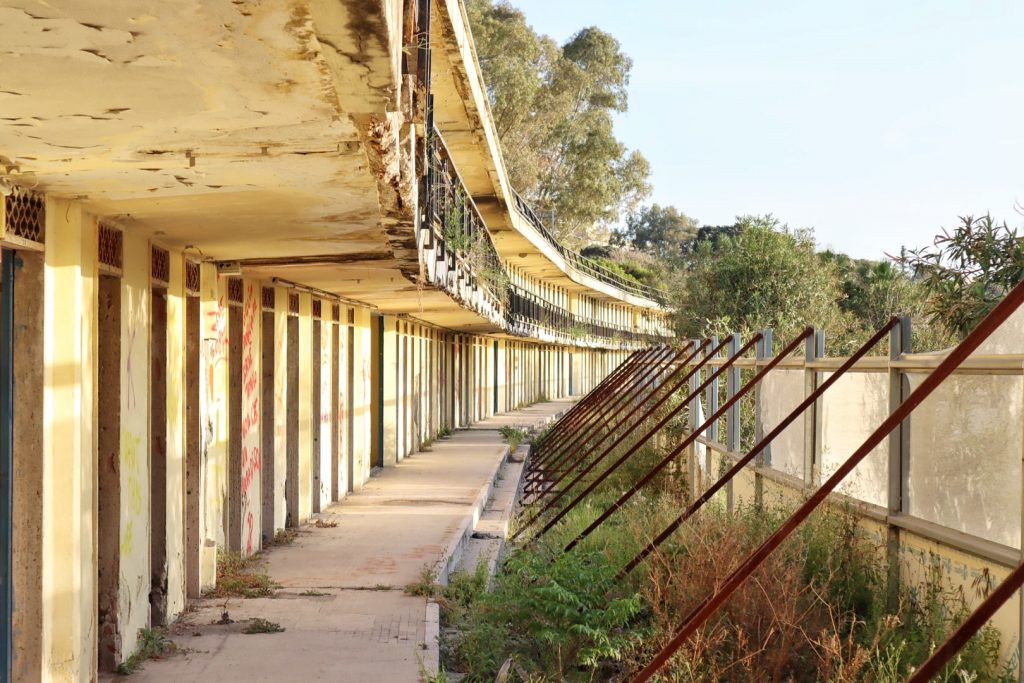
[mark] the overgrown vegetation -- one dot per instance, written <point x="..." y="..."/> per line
<point x="242" y="577"/>
<point x="152" y="643"/>
<point x="816" y="610"/>
<point x="513" y="436"/>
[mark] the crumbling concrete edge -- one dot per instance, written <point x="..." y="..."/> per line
<point x="431" y="658"/>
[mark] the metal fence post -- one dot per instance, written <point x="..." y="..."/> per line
<point x="899" y="452"/>
<point x="764" y="352"/>
<point x="713" y="432"/>
<point x="691" y="424"/>
<point x="811" y="416"/>
<point x="732" y="424"/>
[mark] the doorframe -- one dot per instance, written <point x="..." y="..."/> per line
<point x="6" y="458"/>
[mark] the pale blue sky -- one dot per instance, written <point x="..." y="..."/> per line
<point x="874" y="122"/>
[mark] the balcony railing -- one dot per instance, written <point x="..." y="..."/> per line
<point x="467" y="261"/>
<point x="533" y="316"/>
<point x="586" y="265"/>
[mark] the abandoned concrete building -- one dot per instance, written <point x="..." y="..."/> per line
<point x="251" y="252"/>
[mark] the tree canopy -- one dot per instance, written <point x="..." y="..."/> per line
<point x="553" y="108"/>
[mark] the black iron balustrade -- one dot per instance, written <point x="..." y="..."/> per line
<point x="531" y="315"/>
<point x="455" y="226"/>
<point x="455" y="230"/>
<point x="584" y="264"/>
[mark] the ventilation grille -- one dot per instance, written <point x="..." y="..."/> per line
<point x="111" y="250"/>
<point x="318" y="308"/>
<point x="235" y="295"/>
<point x="351" y="316"/>
<point x="336" y="313"/>
<point x="24" y="217"/>
<point x="160" y="266"/>
<point x="191" y="278"/>
<point x="268" y="299"/>
<point x="293" y="304"/>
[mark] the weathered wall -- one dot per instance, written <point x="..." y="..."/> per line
<point x="133" y="595"/>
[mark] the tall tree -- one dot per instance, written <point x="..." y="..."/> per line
<point x="765" y="276"/>
<point x="967" y="271"/>
<point x="553" y="107"/>
<point x="661" y="231"/>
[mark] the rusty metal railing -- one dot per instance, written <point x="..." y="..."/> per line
<point x="635" y="394"/>
<point x="643" y="439"/>
<point x="577" y="457"/>
<point x="734" y="399"/>
<point x="702" y="612"/>
<point x="758" y="448"/>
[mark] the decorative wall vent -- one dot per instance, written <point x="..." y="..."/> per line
<point x="235" y="292"/>
<point x="23" y="219"/>
<point x="160" y="266"/>
<point x="192" y="281"/>
<point x="111" y="250"/>
<point x="318" y="308"/>
<point x="293" y="304"/>
<point x="336" y="313"/>
<point x="268" y="299"/>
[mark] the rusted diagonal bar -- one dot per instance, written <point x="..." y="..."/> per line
<point x="621" y="390"/>
<point x="594" y="463"/>
<point x="594" y="397"/>
<point x="757" y="448"/>
<point x="743" y="390"/>
<point x="601" y="405"/>
<point x="985" y="611"/>
<point x="643" y="439"/>
<point x="651" y="366"/>
<point x="636" y="396"/>
<point x="574" y="463"/>
<point x="700" y="615"/>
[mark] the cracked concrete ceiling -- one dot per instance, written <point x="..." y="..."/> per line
<point x="216" y="123"/>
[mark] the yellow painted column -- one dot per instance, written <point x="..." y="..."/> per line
<point x="280" y="406"/>
<point x="361" y="396"/>
<point x="133" y="595"/>
<point x="326" y="417"/>
<point x="175" y="437"/>
<point x="213" y="394"/>
<point x="69" y="443"/>
<point x="391" y="396"/>
<point x="305" y="405"/>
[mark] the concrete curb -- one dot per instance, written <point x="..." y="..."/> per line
<point x="431" y="660"/>
<point x="452" y="550"/>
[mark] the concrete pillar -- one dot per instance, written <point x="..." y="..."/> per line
<point x="281" y="353"/>
<point x="214" y="418"/>
<point x="362" y="395"/>
<point x="304" y="399"/>
<point x="175" y="440"/>
<point x="69" y="415"/>
<point x="389" y="416"/>
<point x="250" y="487"/>
<point x="328" y="471"/>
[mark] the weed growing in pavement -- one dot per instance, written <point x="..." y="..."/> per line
<point x="426" y="585"/>
<point x="261" y="625"/>
<point x="152" y="643"/>
<point x="242" y="577"/>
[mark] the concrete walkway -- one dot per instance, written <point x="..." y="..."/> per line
<point x="342" y="604"/>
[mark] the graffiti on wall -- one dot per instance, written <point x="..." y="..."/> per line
<point x="251" y="456"/>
